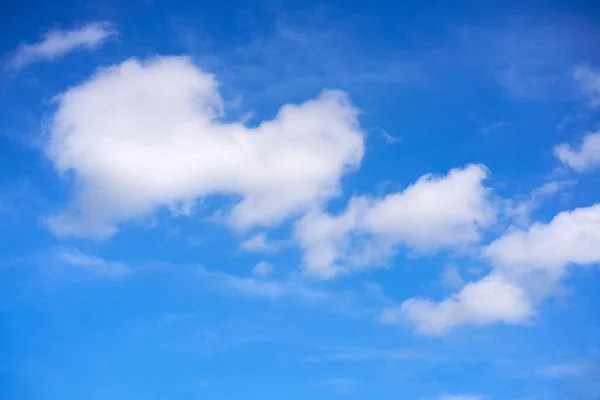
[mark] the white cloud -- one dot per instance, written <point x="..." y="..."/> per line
<point x="589" y="80"/>
<point x="259" y="244"/>
<point x="263" y="268"/>
<point x="141" y="135"/>
<point x="584" y="159"/>
<point x="324" y="238"/>
<point x="434" y="213"/>
<point x="572" y="237"/>
<point x="57" y="43"/>
<point x="491" y="299"/>
<point x="527" y="266"/>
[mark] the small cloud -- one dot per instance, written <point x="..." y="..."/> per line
<point x="57" y="43"/>
<point x="492" y="127"/>
<point x="390" y="139"/>
<point x="92" y="264"/>
<point x="259" y="244"/>
<point x="490" y="300"/>
<point x="263" y="268"/>
<point x="583" y="159"/>
<point x="451" y="277"/>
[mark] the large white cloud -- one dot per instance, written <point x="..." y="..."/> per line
<point x="527" y="266"/>
<point x="586" y="158"/>
<point x="58" y="42"/>
<point x="144" y="134"/>
<point x="434" y="213"/>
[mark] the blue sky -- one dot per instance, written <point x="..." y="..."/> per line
<point x="291" y="200"/>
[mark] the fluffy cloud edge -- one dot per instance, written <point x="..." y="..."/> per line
<point x="436" y="212"/>
<point x="527" y="265"/>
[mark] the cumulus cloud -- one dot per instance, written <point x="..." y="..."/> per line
<point x="434" y="213"/>
<point x="572" y="237"/>
<point x="57" y="43"/>
<point x="589" y="80"/>
<point x="586" y="158"/>
<point x="141" y="135"/>
<point x="527" y="266"/>
<point x="491" y="299"/>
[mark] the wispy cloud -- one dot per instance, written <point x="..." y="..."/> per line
<point x="519" y="210"/>
<point x="95" y="265"/>
<point x="530" y="58"/>
<point x="69" y="263"/>
<point x="363" y="302"/>
<point x="57" y="43"/>
<point x="390" y="139"/>
<point x="460" y="397"/>
<point x="589" y="80"/>
<point x="492" y="126"/>
<point x="359" y="354"/>
<point x="259" y="288"/>
<point x="292" y="58"/>
<point x="560" y="370"/>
